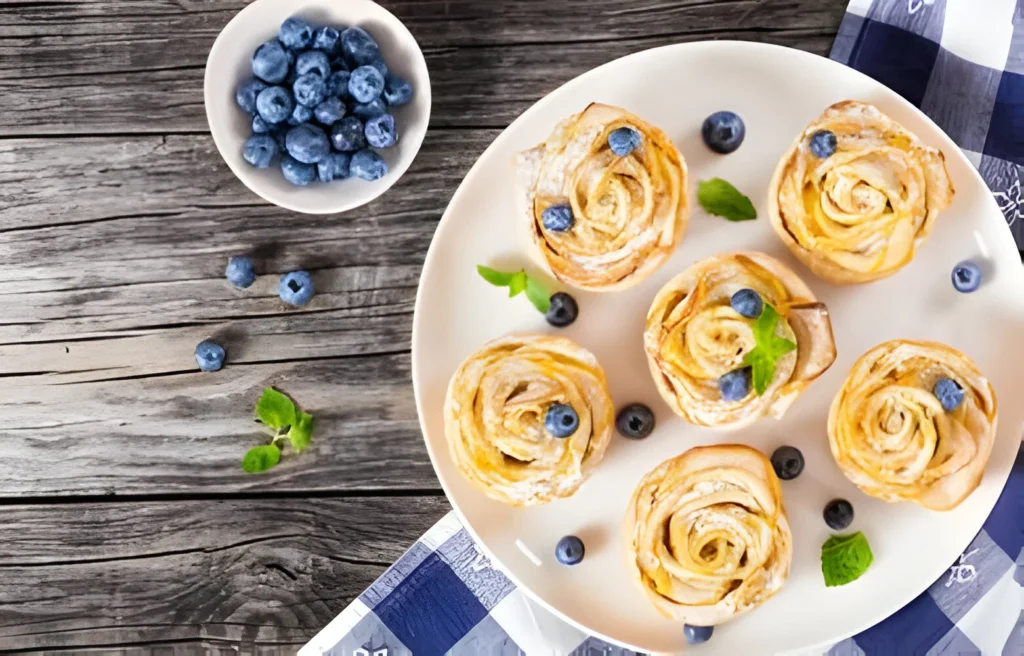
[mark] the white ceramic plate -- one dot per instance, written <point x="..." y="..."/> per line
<point x="777" y="91"/>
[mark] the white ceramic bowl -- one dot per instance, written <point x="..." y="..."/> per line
<point x="230" y="63"/>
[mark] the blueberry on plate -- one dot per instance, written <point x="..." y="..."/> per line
<point x="313" y="61"/>
<point x="558" y="218"/>
<point x="337" y="84"/>
<point x="329" y="111"/>
<point x="966" y="277"/>
<point x="735" y="385"/>
<point x="240" y="271"/>
<point x="270" y="62"/>
<point x="366" y="111"/>
<point x="259" y="150"/>
<point x="723" y="132"/>
<point x="823" y="144"/>
<point x="296" y="288"/>
<point x="368" y="165"/>
<point x="359" y="47"/>
<point x="307" y="143"/>
<point x="569" y="550"/>
<point x="245" y="95"/>
<point x="309" y="89"/>
<point x="949" y="393"/>
<point x="296" y="172"/>
<point x="259" y="126"/>
<point x="397" y="91"/>
<point x="747" y="303"/>
<point x="563" y="310"/>
<point x="561" y="420"/>
<point x="300" y="114"/>
<point x="380" y="131"/>
<point x="635" y="421"/>
<point x="623" y="140"/>
<point x="696" y="635"/>
<point x="838" y="514"/>
<point x="209" y="356"/>
<point x="296" y="33"/>
<point x="327" y="39"/>
<point x="788" y="462"/>
<point x="333" y="167"/>
<point x="274" y="104"/>
<point x="347" y="134"/>
<point x="365" y="83"/>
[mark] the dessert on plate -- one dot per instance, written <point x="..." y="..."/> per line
<point x="605" y="197"/>
<point x="914" y="421"/>
<point x="706" y="534"/>
<point x="735" y="337"/>
<point x="528" y="417"/>
<point x="856" y="194"/>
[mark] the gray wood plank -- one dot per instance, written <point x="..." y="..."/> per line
<point x="254" y="576"/>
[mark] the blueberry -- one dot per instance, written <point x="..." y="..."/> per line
<point x="747" y="303"/>
<point x="569" y="550"/>
<point x="310" y="90"/>
<point x="368" y="165"/>
<point x="301" y="114"/>
<point x="380" y="131"/>
<point x="397" y="91"/>
<point x="296" y="33"/>
<point x="333" y="167"/>
<point x="245" y="95"/>
<point x="274" y="104"/>
<point x="359" y="47"/>
<point x="635" y="421"/>
<point x="337" y="84"/>
<point x="563" y="310"/>
<point x="365" y="84"/>
<point x="823" y="144"/>
<point x="788" y="462"/>
<point x="366" y="111"/>
<point x="259" y="150"/>
<point x="259" y="126"/>
<point x="296" y="172"/>
<point x="330" y="111"/>
<point x="381" y="67"/>
<point x="270" y="62"/>
<point x="949" y="393"/>
<point x="307" y="143"/>
<point x="278" y="132"/>
<point x="296" y="288"/>
<point x="723" y="132"/>
<point x="558" y="218"/>
<point x="623" y="141"/>
<point x="339" y="64"/>
<point x="327" y="39"/>
<point x="561" y="420"/>
<point x="838" y="514"/>
<point x="209" y="356"/>
<point x="696" y="635"/>
<point x="735" y="385"/>
<point x="966" y="277"/>
<point x="313" y="61"/>
<point x="347" y="134"/>
<point x="239" y="271"/>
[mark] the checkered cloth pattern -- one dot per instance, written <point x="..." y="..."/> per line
<point x="962" y="63"/>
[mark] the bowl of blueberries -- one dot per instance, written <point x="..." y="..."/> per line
<point x="317" y="106"/>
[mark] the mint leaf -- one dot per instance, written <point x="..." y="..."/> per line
<point x="261" y="458"/>
<point x="844" y="558"/>
<point x="767" y="350"/>
<point x="301" y="433"/>
<point x="539" y="296"/>
<point x="518" y="283"/>
<point x="275" y="409"/>
<point x="496" y="278"/>
<point x="719" y="197"/>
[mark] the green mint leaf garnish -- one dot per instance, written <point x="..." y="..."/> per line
<point x="768" y="348"/>
<point x="261" y="458"/>
<point x="844" y="558"/>
<point x="517" y="283"/>
<point x="275" y="409"/>
<point x="496" y="278"/>
<point x="301" y="433"/>
<point x="538" y="295"/>
<point x="719" y="197"/>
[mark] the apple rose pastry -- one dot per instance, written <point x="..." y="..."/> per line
<point x="606" y="198"/>
<point x="707" y="535"/>
<point x="915" y="421"/>
<point x="856" y="194"/>
<point x="736" y="337"/>
<point x="527" y="418"/>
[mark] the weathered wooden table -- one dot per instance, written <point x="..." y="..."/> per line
<point x="127" y="523"/>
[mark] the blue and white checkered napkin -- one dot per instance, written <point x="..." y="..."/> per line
<point x="962" y="63"/>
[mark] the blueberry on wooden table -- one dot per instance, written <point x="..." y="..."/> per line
<point x="209" y="356"/>
<point x="240" y="271"/>
<point x="296" y="288"/>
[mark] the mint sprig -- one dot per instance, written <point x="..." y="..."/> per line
<point x="768" y="348"/>
<point x="844" y="558"/>
<point x="517" y="283"/>
<point x="720" y="198"/>
<point x="278" y="413"/>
